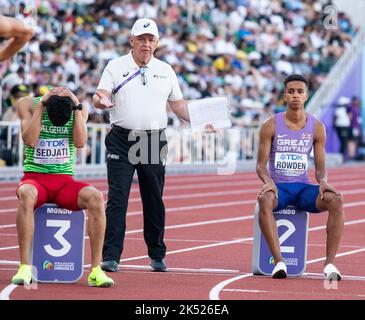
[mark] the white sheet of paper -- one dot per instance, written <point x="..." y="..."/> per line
<point x="213" y="111"/>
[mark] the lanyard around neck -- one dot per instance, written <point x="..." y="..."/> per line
<point x="126" y="81"/>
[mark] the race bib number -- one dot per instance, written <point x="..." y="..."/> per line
<point x="291" y="164"/>
<point x="52" y="151"/>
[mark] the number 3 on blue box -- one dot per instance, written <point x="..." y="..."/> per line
<point x="58" y="244"/>
<point x="293" y="232"/>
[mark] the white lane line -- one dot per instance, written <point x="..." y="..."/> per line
<point x="197" y="270"/>
<point x="353" y="191"/>
<point x="5" y="293"/>
<point x="354" y="204"/>
<point x="309" y="294"/>
<point x="189" y="196"/>
<point x="203" y="177"/>
<point x="245" y="175"/>
<point x="180" y="196"/>
<point x="242" y="181"/>
<point x="347" y="223"/>
<point x="176" y="209"/>
<point x="7" y="262"/>
<point x="205" y="194"/>
<point x="8" y="210"/>
<point x="214" y="292"/>
<point x="244" y="290"/>
<point x="8" y="198"/>
<point x="214" y="177"/>
<point x="184" y="240"/>
<point x="204" y="206"/>
<point x="9" y="248"/>
<point x="240" y="240"/>
<point x="194" y="224"/>
<point x="193" y="248"/>
<point x="224" y="183"/>
<point x="185" y="225"/>
<point x="337" y="255"/>
<point x="313" y="244"/>
<point x="7" y="226"/>
<point x="344" y="277"/>
<point x="201" y="206"/>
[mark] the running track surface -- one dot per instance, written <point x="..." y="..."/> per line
<point x="209" y="240"/>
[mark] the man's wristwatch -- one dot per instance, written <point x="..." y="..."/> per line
<point x="78" y="107"/>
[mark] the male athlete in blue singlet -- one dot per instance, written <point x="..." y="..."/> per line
<point x="286" y="140"/>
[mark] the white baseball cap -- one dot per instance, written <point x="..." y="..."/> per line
<point x="144" y="25"/>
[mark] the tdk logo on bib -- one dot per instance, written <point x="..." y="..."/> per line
<point x="292" y="157"/>
<point x="52" y="151"/>
<point x="291" y="164"/>
<point x="52" y="143"/>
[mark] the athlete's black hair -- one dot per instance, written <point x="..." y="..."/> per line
<point x="59" y="109"/>
<point x="296" y="77"/>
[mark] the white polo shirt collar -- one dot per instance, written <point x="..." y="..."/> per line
<point x="133" y="65"/>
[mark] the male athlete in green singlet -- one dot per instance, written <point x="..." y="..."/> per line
<point x="52" y="126"/>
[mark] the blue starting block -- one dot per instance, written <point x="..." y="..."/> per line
<point x="58" y="244"/>
<point x="293" y="237"/>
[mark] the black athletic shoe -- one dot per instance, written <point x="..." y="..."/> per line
<point x="158" y="265"/>
<point x="110" y="266"/>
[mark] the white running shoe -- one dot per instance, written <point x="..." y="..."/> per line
<point x="279" y="271"/>
<point x="331" y="273"/>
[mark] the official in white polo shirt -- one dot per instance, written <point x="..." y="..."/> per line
<point x="137" y="87"/>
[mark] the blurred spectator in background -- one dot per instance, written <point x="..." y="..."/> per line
<point x="9" y="153"/>
<point x="17" y="92"/>
<point x="342" y="124"/>
<point x="267" y="112"/>
<point x="355" y="135"/>
<point x="243" y="47"/>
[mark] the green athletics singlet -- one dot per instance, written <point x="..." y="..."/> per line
<point x="54" y="151"/>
